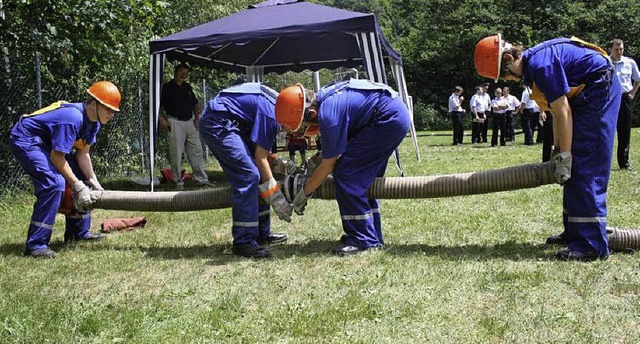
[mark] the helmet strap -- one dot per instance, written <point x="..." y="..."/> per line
<point x="97" y="112"/>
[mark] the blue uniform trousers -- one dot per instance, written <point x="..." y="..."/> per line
<point x="364" y="159"/>
<point x="595" y="112"/>
<point x="251" y="218"/>
<point x="33" y="155"/>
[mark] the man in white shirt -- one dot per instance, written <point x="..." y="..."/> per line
<point x="478" y="107"/>
<point x="530" y="115"/>
<point x="487" y="100"/>
<point x="627" y="71"/>
<point x="456" y="111"/>
<point x="513" y="104"/>
<point x="499" y="123"/>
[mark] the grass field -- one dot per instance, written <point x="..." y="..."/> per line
<point x="470" y="269"/>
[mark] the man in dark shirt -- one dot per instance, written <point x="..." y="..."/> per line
<point x="181" y="112"/>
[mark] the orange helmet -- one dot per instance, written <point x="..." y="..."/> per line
<point x="290" y="106"/>
<point x="106" y="93"/>
<point x="488" y="56"/>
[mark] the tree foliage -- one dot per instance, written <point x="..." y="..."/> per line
<point x="80" y="41"/>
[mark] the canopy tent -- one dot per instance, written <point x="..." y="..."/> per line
<point x="278" y="36"/>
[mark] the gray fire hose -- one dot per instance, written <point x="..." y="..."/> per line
<point x="505" y="179"/>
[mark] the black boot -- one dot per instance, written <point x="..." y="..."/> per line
<point x="44" y="253"/>
<point x="91" y="237"/>
<point x="250" y="251"/>
<point x="273" y="238"/>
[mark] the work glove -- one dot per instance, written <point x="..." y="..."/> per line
<point x="562" y="166"/>
<point x="313" y="162"/>
<point x="82" y="198"/>
<point x="300" y="202"/>
<point x="94" y="183"/>
<point x="271" y="194"/>
<point x="555" y="151"/>
<point x="283" y="166"/>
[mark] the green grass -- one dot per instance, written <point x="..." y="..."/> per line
<point x="467" y="269"/>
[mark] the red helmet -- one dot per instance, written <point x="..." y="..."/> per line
<point x="106" y="93"/>
<point x="290" y="106"/>
<point x="488" y="56"/>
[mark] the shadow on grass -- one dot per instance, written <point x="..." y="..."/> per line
<point x="220" y="254"/>
<point x="510" y="250"/>
<point x="12" y="249"/>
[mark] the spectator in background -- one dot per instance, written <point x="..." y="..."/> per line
<point x="547" y="142"/>
<point x="530" y="115"/>
<point x="296" y="142"/>
<point x="627" y="71"/>
<point x="52" y="146"/>
<point x="486" y="98"/>
<point x="499" y="124"/>
<point x="478" y="108"/>
<point x="456" y="111"/>
<point x="513" y="104"/>
<point x="181" y="114"/>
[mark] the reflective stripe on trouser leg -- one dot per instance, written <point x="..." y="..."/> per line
<point x="364" y="159"/>
<point x="595" y="112"/>
<point x="226" y="143"/>
<point x="43" y="219"/>
<point x="77" y="225"/>
<point x="377" y="219"/>
<point x="48" y="185"/>
<point x="264" y="220"/>
<point x="375" y="209"/>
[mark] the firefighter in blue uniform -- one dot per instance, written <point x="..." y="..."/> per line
<point x="240" y="127"/>
<point x="361" y="123"/>
<point x="574" y="80"/>
<point x="52" y="146"/>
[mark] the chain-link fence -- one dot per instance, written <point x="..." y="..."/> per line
<point x="121" y="144"/>
<point x="122" y="150"/>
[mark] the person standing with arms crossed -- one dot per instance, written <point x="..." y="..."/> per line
<point x="486" y="98"/>
<point x="182" y="112"/>
<point x="627" y="71"/>
<point x="577" y="82"/>
<point x="478" y="108"/>
<point x="498" y="123"/>
<point x="456" y="111"/>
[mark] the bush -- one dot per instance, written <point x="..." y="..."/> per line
<point x="430" y="117"/>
